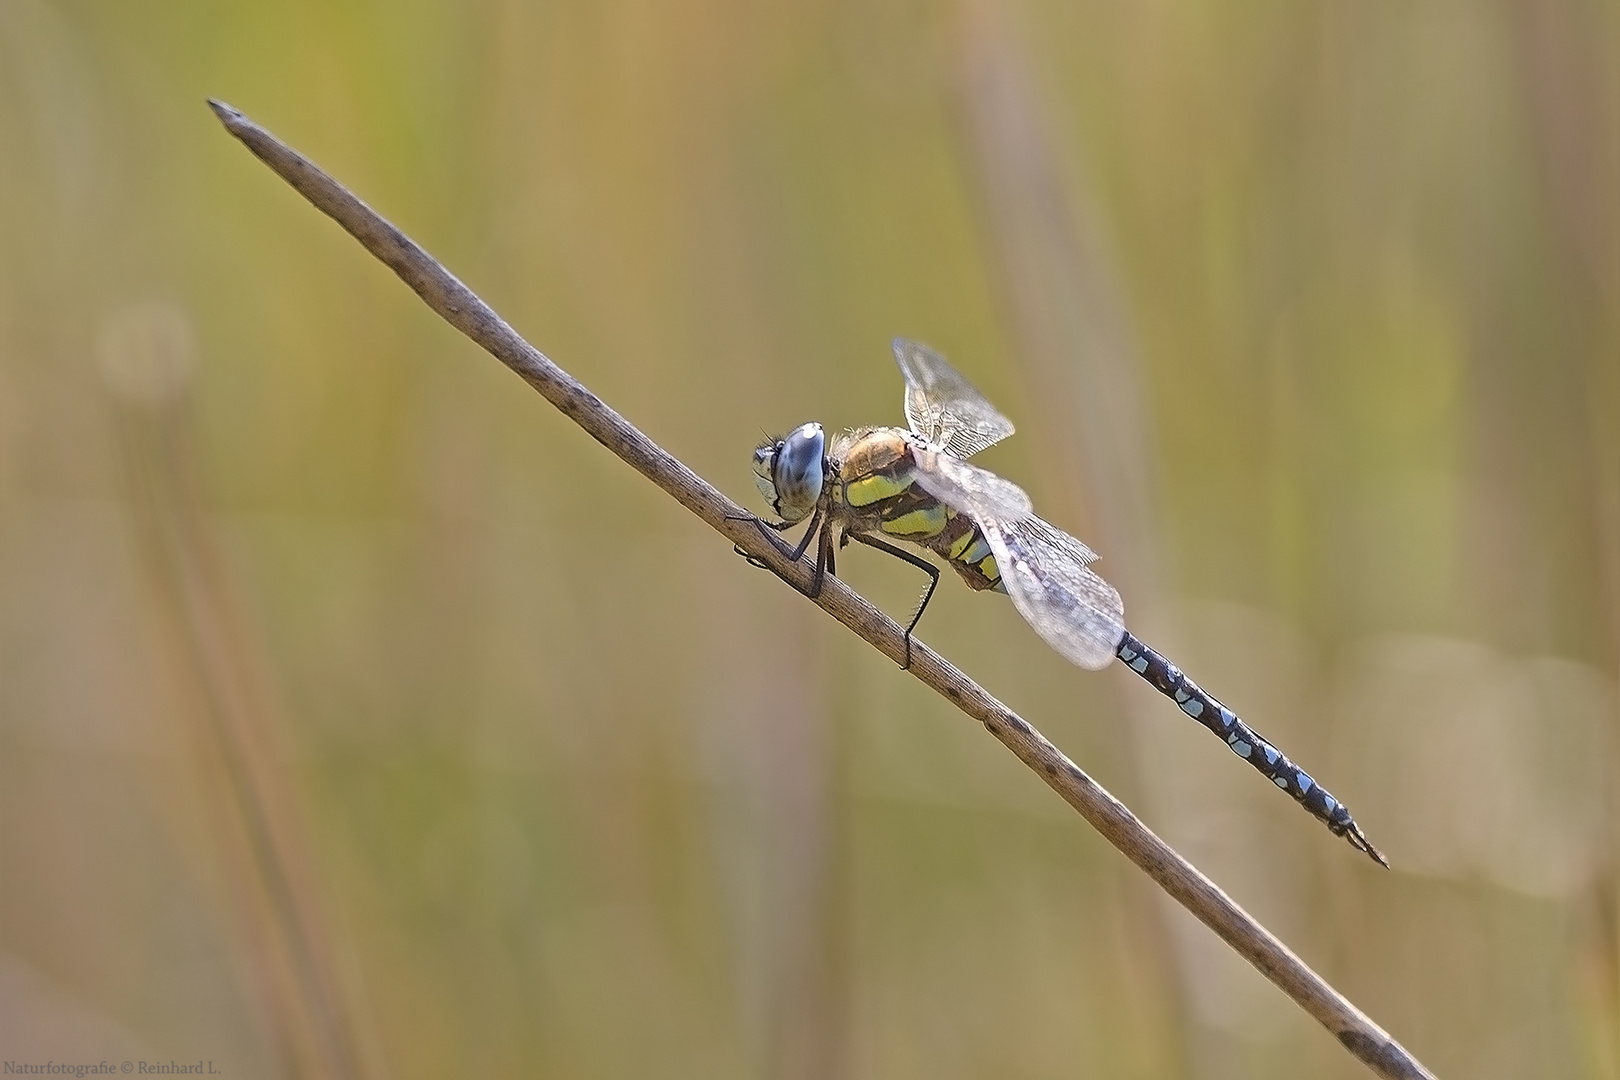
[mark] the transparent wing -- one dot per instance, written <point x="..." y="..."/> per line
<point x="979" y="493"/>
<point x="1044" y="570"/>
<point x="943" y="407"/>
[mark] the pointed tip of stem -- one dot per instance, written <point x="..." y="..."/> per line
<point x="227" y="113"/>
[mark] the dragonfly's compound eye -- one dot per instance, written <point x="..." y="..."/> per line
<point x="790" y="473"/>
<point x="764" y="464"/>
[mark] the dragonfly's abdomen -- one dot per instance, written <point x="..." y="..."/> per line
<point x="1243" y="740"/>
<point x="877" y="492"/>
<point x="962" y="544"/>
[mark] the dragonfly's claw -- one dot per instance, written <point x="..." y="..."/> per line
<point x="751" y="559"/>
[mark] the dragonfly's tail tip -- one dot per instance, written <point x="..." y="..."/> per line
<point x="1362" y="844"/>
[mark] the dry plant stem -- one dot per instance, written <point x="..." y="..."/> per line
<point x="311" y="1019"/>
<point x="457" y="304"/>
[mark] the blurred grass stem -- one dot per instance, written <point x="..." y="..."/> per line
<point x="309" y="1013"/>
<point x="459" y="306"/>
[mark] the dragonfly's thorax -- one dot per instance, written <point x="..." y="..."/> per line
<point x="873" y="488"/>
<point x="868" y="459"/>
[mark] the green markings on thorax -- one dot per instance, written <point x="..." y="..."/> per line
<point x="881" y="492"/>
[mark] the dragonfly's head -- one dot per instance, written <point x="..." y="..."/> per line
<point x="790" y="471"/>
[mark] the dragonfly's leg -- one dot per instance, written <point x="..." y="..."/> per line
<point x="823" y="555"/>
<point x="769" y="529"/>
<point x="762" y="525"/>
<point x="804" y="541"/>
<point x="915" y="560"/>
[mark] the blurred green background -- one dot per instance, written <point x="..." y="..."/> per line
<point x="360" y="716"/>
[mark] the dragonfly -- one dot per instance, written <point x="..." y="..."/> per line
<point x="875" y="485"/>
